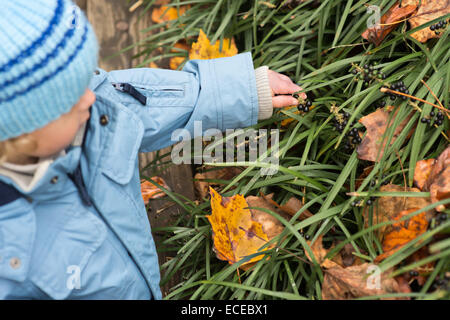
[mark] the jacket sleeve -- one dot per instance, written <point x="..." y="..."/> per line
<point x="218" y="93"/>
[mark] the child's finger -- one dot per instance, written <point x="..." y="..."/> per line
<point x="286" y="88"/>
<point x="283" y="101"/>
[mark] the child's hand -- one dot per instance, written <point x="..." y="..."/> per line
<point x="282" y="85"/>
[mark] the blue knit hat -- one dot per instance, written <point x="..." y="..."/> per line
<point x="48" y="53"/>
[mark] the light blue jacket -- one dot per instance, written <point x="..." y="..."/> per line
<point x="55" y="246"/>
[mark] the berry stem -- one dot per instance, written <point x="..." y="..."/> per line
<point x="415" y="98"/>
<point x="434" y="96"/>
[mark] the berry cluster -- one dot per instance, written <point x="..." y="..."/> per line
<point x="414" y="273"/>
<point x="438" y="121"/>
<point x="383" y="177"/>
<point x="358" y="203"/>
<point x="306" y="236"/>
<point x="303" y="105"/>
<point x="368" y="73"/>
<point x="340" y="121"/>
<point x="353" y="139"/>
<point x="380" y="104"/>
<point x="438" y="26"/>
<point x="441" y="283"/>
<point x="398" y="86"/>
<point x="440" y="218"/>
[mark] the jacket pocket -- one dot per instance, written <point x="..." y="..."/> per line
<point x="63" y="248"/>
<point x="162" y="91"/>
<point x="156" y="91"/>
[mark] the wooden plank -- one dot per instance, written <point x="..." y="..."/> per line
<point x="82" y="4"/>
<point x="117" y="28"/>
<point x="109" y="19"/>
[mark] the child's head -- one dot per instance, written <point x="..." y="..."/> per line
<point x="51" y="138"/>
<point x="48" y="54"/>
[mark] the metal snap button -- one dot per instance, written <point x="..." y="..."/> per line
<point x="54" y="180"/>
<point x="96" y="72"/>
<point x="15" y="263"/>
<point x="104" y="120"/>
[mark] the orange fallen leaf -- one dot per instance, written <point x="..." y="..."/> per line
<point x="235" y="233"/>
<point x="176" y="61"/>
<point x="393" y="15"/>
<point x="165" y="13"/>
<point x="374" y="142"/>
<point x="203" y="49"/>
<point x="402" y="232"/>
<point x="150" y="191"/>
<point x="387" y="208"/>
<point x="287" y="121"/>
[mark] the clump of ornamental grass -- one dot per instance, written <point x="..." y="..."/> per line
<point x="318" y="45"/>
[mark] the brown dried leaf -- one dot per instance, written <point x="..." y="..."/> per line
<point x="291" y="207"/>
<point x="376" y="123"/>
<point x="341" y="259"/>
<point x="226" y="173"/>
<point x="347" y="256"/>
<point x="271" y="225"/>
<point x="440" y="189"/>
<point x="422" y="172"/>
<point x="394" y="14"/>
<point x="437" y="175"/>
<point x="428" y="10"/>
<point x="442" y="162"/>
<point x="355" y="282"/>
<point x="425" y="269"/>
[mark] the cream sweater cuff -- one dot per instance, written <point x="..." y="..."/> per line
<point x="264" y="93"/>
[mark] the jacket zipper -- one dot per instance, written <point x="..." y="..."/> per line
<point x="128" y="88"/>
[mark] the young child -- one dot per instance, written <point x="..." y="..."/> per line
<point x="73" y="224"/>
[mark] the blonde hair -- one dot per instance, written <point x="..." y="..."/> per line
<point x="14" y="146"/>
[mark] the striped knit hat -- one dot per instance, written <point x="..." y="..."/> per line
<point x="48" y="53"/>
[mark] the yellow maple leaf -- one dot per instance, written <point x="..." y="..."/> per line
<point x="235" y="234"/>
<point x="203" y="49"/>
